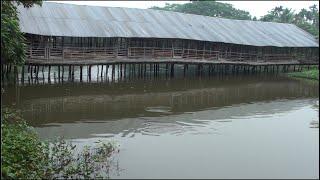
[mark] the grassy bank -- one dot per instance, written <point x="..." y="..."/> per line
<point x="25" y="156"/>
<point x="312" y="73"/>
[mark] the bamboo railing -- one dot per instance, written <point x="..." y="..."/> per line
<point x="97" y="53"/>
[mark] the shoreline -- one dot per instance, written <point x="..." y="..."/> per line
<point x="311" y="74"/>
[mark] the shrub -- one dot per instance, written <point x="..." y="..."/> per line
<point x="91" y="162"/>
<point x="24" y="155"/>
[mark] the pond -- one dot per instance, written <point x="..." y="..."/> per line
<point x="217" y="127"/>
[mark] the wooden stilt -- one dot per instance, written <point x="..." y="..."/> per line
<point x="49" y="73"/>
<point x="101" y="74"/>
<point x="89" y="74"/>
<point x="31" y="72"/>
<point x="145" y="70"/>
<point x="72" y="73"/>
<point x="22" y="74"/>
<point x="37" y="74"/>
<point x="69" y="74"/>
<point x="10" y="68"/>
<point x="113" y="72"/>
<point x="62" y="73"/>
<point x="125" y="71"/>
<point x="58" y="73"/>
<point x="15" y="73"/>
<point x="172" y="70"/>
<point x="272" y="68"/>
<point x="43" y="80"/>
<point x="107" y="68"/>
<point x="80" y="73"/>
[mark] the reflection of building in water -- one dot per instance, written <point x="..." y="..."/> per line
<point x="212" y="121"/>
<point x="85" y="103"/>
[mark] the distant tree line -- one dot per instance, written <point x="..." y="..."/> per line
<point x="306" y="19"/>
<point x="208" y="8"/>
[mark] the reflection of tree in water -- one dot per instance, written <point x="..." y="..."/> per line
<point x="315" y="123"/>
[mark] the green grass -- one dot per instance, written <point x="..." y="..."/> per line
<point x="312" y="73"/>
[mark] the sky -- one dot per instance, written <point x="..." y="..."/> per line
<point x="256" y="8"/>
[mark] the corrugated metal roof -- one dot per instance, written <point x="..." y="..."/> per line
<point x="58" y="19"/>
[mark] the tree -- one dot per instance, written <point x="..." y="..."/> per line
<point x="279" y="14"/>
<point x="314" y="15"/>
<point x="13" y="46"/>
<point x="208" y="8"/>
<point x="307" y="20"/>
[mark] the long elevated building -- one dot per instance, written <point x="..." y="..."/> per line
<point x="58" y="32"/>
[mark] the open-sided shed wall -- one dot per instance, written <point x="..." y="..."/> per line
<point x="102" y="47"/>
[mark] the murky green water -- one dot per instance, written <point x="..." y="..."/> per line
<point x="222" y="127"/>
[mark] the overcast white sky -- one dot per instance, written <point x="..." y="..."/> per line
<point x="256" y="8"/>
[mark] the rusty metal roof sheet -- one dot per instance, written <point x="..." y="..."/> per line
<point x="59" y="19"/>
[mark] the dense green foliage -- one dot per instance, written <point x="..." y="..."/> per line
<point x="22" y="153"/>
<point x="208" y="8"/>
<point x="25" y="156"/>
<point x="312" y="73"/>
<point x="12" y="39"/>
<point x="308" y="20"/>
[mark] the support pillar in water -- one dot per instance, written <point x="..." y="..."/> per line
<point x="22" y="74"/>
<point x="145" y="71"/>
<point x="80" y="73"/>
<point x="172" y="70"/>
<point x="59" y="73"/>
<point x="69" y="74"/>
<point x="113" y="72"/>
<point x="101" y="74"/>
<point x="49" y="72"/>
<point x="125" y="71"/>
<point x="89" y="73"/>
<point x="37" y="73"/>
<point x="107" y="68"/>
<point x="62" y="76"/>
<point x="72" y="72"/>
<point x="31" y="71"/>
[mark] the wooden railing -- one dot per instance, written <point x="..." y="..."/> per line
<point x="150" y="52"/>
<point x="97" y="53"/>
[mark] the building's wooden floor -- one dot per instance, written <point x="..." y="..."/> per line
<point x="176" y="61"/>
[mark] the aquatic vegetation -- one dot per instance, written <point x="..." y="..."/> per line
<point x="312" y="73"/>
<point x="90" y="162"/>
<point x="24" y="155"/>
